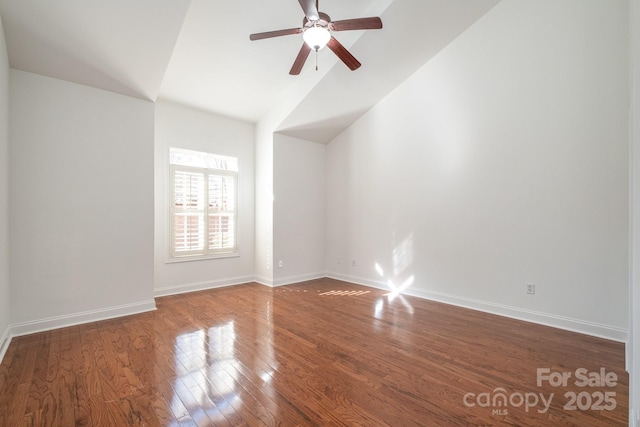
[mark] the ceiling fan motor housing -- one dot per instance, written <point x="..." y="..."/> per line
<point x="323" y="22"/>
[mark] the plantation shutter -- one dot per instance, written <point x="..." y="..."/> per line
<point x="188" y="205"/>
<point x="222" y="212"/>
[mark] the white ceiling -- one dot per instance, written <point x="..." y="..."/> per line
<point x="415" y="31"/>
<point x="197" y="52"/>
<point x="122" y="46"/>
<point x="217" y="68"/>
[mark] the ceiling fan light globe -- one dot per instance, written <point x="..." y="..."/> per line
<point x="316" y="37"/>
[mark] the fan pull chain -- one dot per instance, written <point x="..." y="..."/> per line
<point x="316" y="59"/>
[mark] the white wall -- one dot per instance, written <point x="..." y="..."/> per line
<point x="633" y="344"/>
<point x="298" y="209"/>
<point x="264" y="204"/>
<point x="4" y="195"/>
<point x="281" y="108"/>
<point x="81" y="213"/>
<point x="183" y="127"/>
<point x="502" y="161"/>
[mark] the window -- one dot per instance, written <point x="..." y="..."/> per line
<point x="203" y="204"/>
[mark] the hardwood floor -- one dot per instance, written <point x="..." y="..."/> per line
<point x="322" y="352"/>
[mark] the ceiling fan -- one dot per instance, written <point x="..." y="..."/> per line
<point x="316" y="32"/>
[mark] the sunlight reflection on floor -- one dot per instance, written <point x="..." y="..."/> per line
<point x="206" y="373"/>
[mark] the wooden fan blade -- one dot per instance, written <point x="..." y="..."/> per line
<point x="300" y="59"/>
<point x="373" y="23"/>
<point x="278" y="33"/>
<point x="344" y="55"/>
<point x="310" y="9"/>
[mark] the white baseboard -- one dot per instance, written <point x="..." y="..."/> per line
<point x="264" y="281"/>
<point x="289" y="280"/>
<point x="567" y="323"/>
<point x="5" y="340"/>
<point x="202" y="286"/>
<point x="56" y="322"/>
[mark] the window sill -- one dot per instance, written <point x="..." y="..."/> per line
<point x="202" y="258"/>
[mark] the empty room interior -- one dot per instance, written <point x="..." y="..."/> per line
<point x="429" y="218"/>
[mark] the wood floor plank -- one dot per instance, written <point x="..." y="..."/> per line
<point x="317" y="353"/>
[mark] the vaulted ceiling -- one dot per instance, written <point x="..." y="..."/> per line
<point x="198" y="53"/>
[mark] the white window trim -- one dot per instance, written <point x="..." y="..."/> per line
<point x="216" y="254"/>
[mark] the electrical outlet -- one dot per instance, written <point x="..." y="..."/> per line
<point x="531" y="288"/>
<point x="280" y="264"/>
